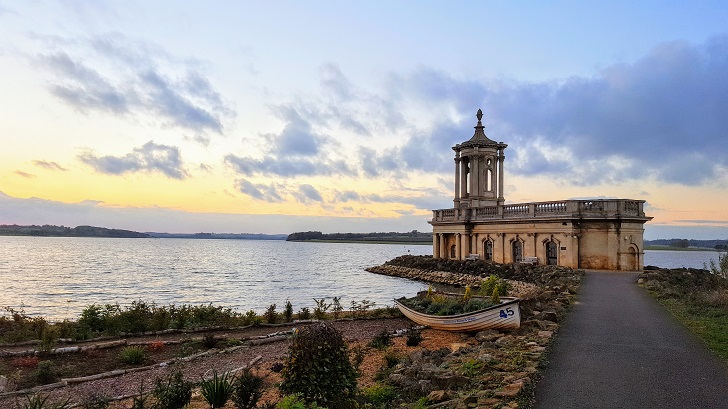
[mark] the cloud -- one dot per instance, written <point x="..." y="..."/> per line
<point x="286" y="166"/>
<point x="346" y="196"/>
<point x="49" y="165"/>
<point x="297" y="137"/>
<point x="704" y="222"/>
<point x="308" y="194"/>
<point x="93" y="213"/>
<point x="661" y="116"/>
<point x="25" y="174"/>
<point x="130" y="79"/>
<point x="267" y="193"/>
<point x="84" y="88"/>
<point x="150" y="157"/>
<point x="425" y="199"/>
<point x="165" y="100"/>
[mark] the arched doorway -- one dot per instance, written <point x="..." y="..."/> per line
<point x="552" y="253"/>
<point x="453" y="251"/>
<point x="633" y="259"/>
<point x="488" y="250"/>
<point x="517" y="251"/>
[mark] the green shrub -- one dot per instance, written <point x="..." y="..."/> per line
<point x="721" y="268"/>
<point x="360" y="308"/>
<point x="358" y="354"/>
<point x="391" y="358"/>
<point x="271" y="317"/>
<point x="317" y="367"/>
<point x="336" y="307"/>
<point x="288" y="312"/>
<point x="140" y="400"/>
<point x="135" y="318"/>
<point x="91" y="319"/>
<point x="319" y="311"/>
<point x="133" y="355"/>
<point x="304" y="314"/>
<point x="381" y="340"/>
<point x="41" y="402"/>
<point x="17" y="326"/>
<point x="296" y="402"/>
<point x="217" y="390"/>
<point x="379" y="394"/>
<point x="209" y="341"/>
<point x="173" y="392"/>
<point x="46" y="372"/>
<point x="414" y="337"/>
<point x="247" y="390"/>
<point x="48" y="339"/>
<point x="252" y="318"/>
<point x="491" y="284"/>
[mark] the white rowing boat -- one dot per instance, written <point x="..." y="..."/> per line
<point x="504" y="316"/>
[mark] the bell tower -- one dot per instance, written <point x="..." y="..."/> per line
<point x="479" y="170"/>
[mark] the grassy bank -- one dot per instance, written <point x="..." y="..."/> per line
<point x="696" y="297"/>
<point x="710" y="324"/>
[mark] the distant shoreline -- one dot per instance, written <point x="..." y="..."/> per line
<point x="682" y="248"/>
<point x="353" y="241"/>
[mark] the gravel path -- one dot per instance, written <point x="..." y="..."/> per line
<point x="129" y="383"/>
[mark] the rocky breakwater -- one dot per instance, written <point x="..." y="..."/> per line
<point x="489" y="369"/>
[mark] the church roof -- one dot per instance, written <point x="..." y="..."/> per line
<point x="479" y="139"/>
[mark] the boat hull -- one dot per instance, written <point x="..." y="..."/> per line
<point x="504" y="316"/>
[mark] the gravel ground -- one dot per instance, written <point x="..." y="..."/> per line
<point x="128" y="384"/>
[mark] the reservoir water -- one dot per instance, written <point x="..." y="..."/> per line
<point x="58" y="277"/>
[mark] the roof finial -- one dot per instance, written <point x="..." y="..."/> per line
<point x="479" y="115"/>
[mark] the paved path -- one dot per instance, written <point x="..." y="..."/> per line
<point x="618" y="348"/>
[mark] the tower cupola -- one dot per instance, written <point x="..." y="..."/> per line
<point x="479" y="170"/>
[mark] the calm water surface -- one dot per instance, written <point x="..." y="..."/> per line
<point x="58" y="277"/>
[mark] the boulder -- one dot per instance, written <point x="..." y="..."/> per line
<point x="438" y="396"/>
<point x="488" y="335"/>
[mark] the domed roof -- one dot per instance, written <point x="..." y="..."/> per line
<point x="479" y="139"/>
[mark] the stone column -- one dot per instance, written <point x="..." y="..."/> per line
<point x="474" y="177"/>
<point x="494" y="177"/>
<point x="435" y="245"/>
<point x="465" y="246"/>
<point x="458" y="255"/>
<point x="464" y="168"/>
<point x="501" y="159"/>
<point x="443" y="247"/>
<point x="457" y="179"/>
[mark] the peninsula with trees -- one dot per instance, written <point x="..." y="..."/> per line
<point x="413" y="237"/>
<point x="48" y="230"/>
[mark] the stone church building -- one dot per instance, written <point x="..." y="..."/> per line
<point x="594" y="234"/>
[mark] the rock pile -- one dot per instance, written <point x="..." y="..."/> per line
<point x="492" y="369"/>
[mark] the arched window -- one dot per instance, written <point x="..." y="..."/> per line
<point x="517" y="251"/>
<point x="552" y="253"/>
<point x="488" y="249"/>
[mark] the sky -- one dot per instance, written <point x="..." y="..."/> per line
<point x="275" y="117"/>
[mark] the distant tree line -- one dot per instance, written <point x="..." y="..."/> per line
<point x="48" y="230"/>
<point x="236" y="236"/>
<point x="414" y="235"/>
<point x="685" y="243"/>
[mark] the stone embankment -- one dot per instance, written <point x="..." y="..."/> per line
<point x="525" y="280"/>
<point x="516" y="288"/>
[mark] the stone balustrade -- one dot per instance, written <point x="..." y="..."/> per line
<point x="596" y="208"/>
